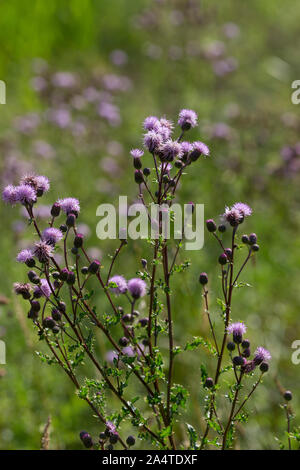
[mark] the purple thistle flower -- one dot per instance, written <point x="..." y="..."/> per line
<point x="261" y="355"/>
<point x="243" y="208"/>
<point x="25" y="194"/>
<point x="136" y="153"/>
<point x="186" y="147"/>
<point x="121" y="285"/>
<point x="52" y="235"/>
<point x="170" y="150"/>
<point x="111" y="428"/>
<point x="24" y="256"/>
<point x="166" y="124"/>
<point x="137" y="287"/>
<point x="238" y="330"/>
<point x="43" y="289"/>
<point x="42" y="251"/>
<point x="152" y="141"/>
<point x="233" y="216"/>
<point x="249" y="367"/>
<point x="39" y="183"/>
<point x="70" y="205"/>
<point x="9" y="195"/>
<point x="22" y="289"/>
<point x="201" y="148"/>
<point x="187" y="119"/>
<point x="151" y="123"/>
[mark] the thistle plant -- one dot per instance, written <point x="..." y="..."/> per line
<point x="63" y="281"/>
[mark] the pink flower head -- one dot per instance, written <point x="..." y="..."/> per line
<point x="25" y="194"/>
<point x="42" y="251"/>
<point x="52" y="235"/>
<point x="243" y="208"/>
<point x="186" y="147"/>
<point x="152" y="141"/>
<point x="9" y="195"/>
<point x="261" y="355"/>
<point x="43" y="289"/>
<point x="238" y="330"/>
<point x="170" y="150"/>
<point x="136" y="153"/>
<point x="151" y="123"/>
<point x="121" y="285"/>
<point x="137" y="288"/>
<point x="25" y="256"/>
<point x="70" y="205"/>
<point x="187" y="119"/>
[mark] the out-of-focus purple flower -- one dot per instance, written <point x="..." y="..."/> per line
<point x="25" y="256"/>
<point x="9" y="194"/>
<point x="137" y="288"/>
<point x="28" y="123"/>
<point x="224" y="67"/>
<point x="52" y="235"/>
<point x="64" y="80"/>
<point x="110" y="112"/>
<point x="231" y="30"/>
<point x="39" y="84"/>
<point x="69" y="205"/>
<point x="221" y="131"/>
<point x="43" y="289"/>
<point x="118" y="57"/>
<point x="152" y="141"/>
<point x="25" y="194"/>
<point x="42" y="251"/>
<point x="128" y="351"/>
<point x="43" y="149"/>
<point x="187" y="119"/>
<point x="261" y="355"/>
<point x="121" y="285"/>
<point x="214" y="50"/>
<point x="151" y="123"/>
<point x="116" y="82"/>
<point x="238" y="330"/>
<point x="137" y="153"/>
<point x="60" y="117"/>
<point x="170" y="150"/>
<point x="22" y="289"/>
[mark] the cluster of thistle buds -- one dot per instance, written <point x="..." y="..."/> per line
<point x="159" y="142"/>
<point x="108" y="438"/>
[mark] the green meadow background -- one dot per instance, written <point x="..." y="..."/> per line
<point x="233" y="63"/>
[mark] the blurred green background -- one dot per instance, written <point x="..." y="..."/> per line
<point x="81" y="76"/>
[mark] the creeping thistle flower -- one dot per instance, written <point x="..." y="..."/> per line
<point x="43" y="289"/>
<point x="42" y="251"/>
<point x="137" y="288"/>
<point x="121" y="285"/>
<point x="199" y="148"/>
<point x="243" y="208"/>
<point x="70" y="205"/>
<point x="151" y="123"/>
<point x="23" y="289"/>
<point x="236" y="214"/>
<point x="152" y="141"/>
<point x="170" y="150"/>
<point x="25" y="194"/>
<point x="9" y="195"/>
<point x="187" y="119"/>
<point x="52" y="235"/>
<point x="26" y="256"/>
<point x="136" y="153"/>
<point x="238" y="330"/>
<point x="261" y="355"/>
<point x="39" y="183"/>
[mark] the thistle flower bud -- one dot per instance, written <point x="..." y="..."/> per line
<point x="178" y="164"/>
<point x="35" y="306"/>
<point x="86" y="439"/>
<point x="74" y="250"/>
<point x="209" y="382"/>
<point x="223" y="259"/>
<point x="144" y="263"/>
<point x="288" y="395"/>
<point x="63" y="228"/>
<point x="143" y="322"/>
<point x="113" y="439"/>
<point x="94" y="267"/>
<point x="255" y="247"/>
<point x="138" y="176"/>
<point x="56" y="314"/>
<point x="102" y="436"/>
<point x="23" y="289"/>
<point x="146" y="171"/>
<point x="231" y="346"/>
<point x="130" y="441"/>
<point x="238" y="361"/>
<point x="228" y="252"/>
<point x="32" y="314"/>
<point x="71" y="220"/>
<point x="246" y="353"/>
<point x="56" y="329"/>
<point x="78" y="240"/>
<point x="245" y="239"/>
<point x="64" y="274"/>
<point x="245" y="344"/>
<point x="222" y="228"/>
<point x="137" y="163"/>
<point x="211" y="225"/>
<point x="55" y="275"/>
<point x="33" y="277"/>
<point x="55" y="209"/>
<point x="71" y="279"/>
<point x="264" y="367"/>
<point x="84" y="270"/>
<point x="252" y="238"/>
<point x="49" y="322"/>
<point x="203" y="279"/>
<point x="62" y="306"/>
<point x="123" y="342"/>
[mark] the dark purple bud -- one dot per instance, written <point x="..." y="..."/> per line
<point x="252" y="238"/>
<point x="55" y="210"/>
<point x="84" y="270"/>
<point x="56" y="329"/>
<point x="78" y="240"/>
<point x="35" y="306"/>
<point x="64" y="274"/>
<point x="30" y="263"/>
<point x="113" y="438"/>
<point x="102" y="436"/>
<point x="144" y="263"/>
<point x="137" y="163"/>
<point x="264" y="367"/>
<point x="203" y="279"/>
<point x="56" y="314"/>
<point x="245" y="239"/>
<point x="238" y="361"/>
<point x="209" y="382"/>
<point x="223" y="259"/>
<point x="63" y="228"/>
<point x="86" y="439"/>
<point x="127" y="318"/>
<point x="74" y="250"/>
<point x="94" y="267"/>
<point x="143" y="322"/>
<point x="48" y="322"/>
<point x="33" y="277"/>
<point x="247" y="352"/>
<point x="138" y="176"/>
<point x="146" y="171"/>
<point x="211" y="225"/>
<point x="228" y="252"/>
<point x="130" y="441"/>
<point x="231" y="346"/>
<point x="245" y="344"/>
<point x="123" y="341"/>
<point x="288" y="395"/>
<point x="71" y="279"/>
<point x="255" y="247"/>
<point x="222" y="228"/>
<point x="62" y="306"/>
<point x="178" y="164"/>
<point x="71" y="220"/>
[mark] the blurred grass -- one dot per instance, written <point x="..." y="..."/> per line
<point x="79" y="36"/>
